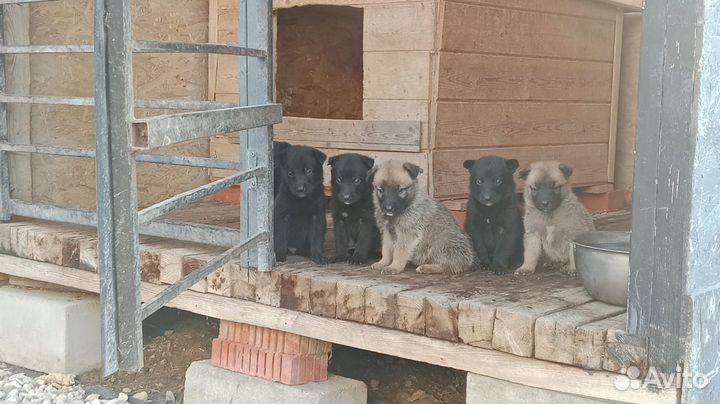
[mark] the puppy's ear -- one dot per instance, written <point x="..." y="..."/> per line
<point x="523" y="174"/>
<point x="412" y="169"/>
<point x="368" y="162"/>
<point x="332" y="160"/>
<point x="567" y="171"/>
<point x="371" y="174"/>
<point x="319" y="156"/>
<point x="280" y="146"/>
<point x="468" y="164"/>
<point x="512" y="165"/>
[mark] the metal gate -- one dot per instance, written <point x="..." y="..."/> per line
<point x="122" y="140"/>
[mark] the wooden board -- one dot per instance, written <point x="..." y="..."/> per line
<point x="529" y="372"/>
<point x="590" y="345"/>
<point x="396" y="75"/>
<point x="399" y="26"/>
<point x="396" y="110"/>
<point x="490" y="77"/>
<point x="589" y="162"/>
<point x="478" y="28"/>
<point x="580" y="8"/>
<point x="497" y="124"/>
<point x="350" y="134"/>
<point x="615" y="96"/>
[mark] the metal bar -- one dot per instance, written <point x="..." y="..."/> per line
<point x="153" y="212"/>
<point x="194" y="277"/>
<point x="197" y="233"/>
<point x="165" y="130"/>
<point x="4" y="174"/>
<point x="89" y="102"/>
<point x="29" y="49"/>
<point x="255" y="20"/>
<point x="189" y="47"/>
<point x="7" y="2"/>
<point x="118" y="239"/>
<point x="61" y="151"/>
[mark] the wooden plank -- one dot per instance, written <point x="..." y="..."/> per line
<point x="624" y="350"/>
<point x="465" y="76"/>
<point x="590" y="345"/>
<point x="579" y="8"/>
<point x="212" y="38"/>
<point x="395" y="110"/>
<point x="267" y="286"/>
<point x="514" y="327"/>
<point x="589" y="162"/>
<point x="615" y="98"/>
<point x="350" y="295"/>
<point x="381" y="306"/>
<point x="478" y="28"/>
<point x="350" y="134"/>
<point x="396" y="75"/>
<point x="488" y="124"/>
<point x="555" y="332"/>
<point x="529" y="372"/>
<point x="399" y="26"/>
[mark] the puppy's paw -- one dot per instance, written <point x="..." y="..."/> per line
<point x="319" y="259"/>
<point x="338" y="258"/>
<point x="501" y="270"/>
<point x="391" y="270"/>
<point x="378" y="266"/>
<point x="524" y="271"/>
<point x="568" y="270"/>
<point x="357" y="259"/>
<point x="429" y="269"/>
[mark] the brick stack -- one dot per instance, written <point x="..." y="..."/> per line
<point x="270" y="354"/>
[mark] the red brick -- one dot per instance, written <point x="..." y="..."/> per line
<point x="223" y="329"/>
<point x="254" y="361"/>
<point x="290" y="373"/>
<point x="277" y="367"/>
<point x="216" y="352"/>
<point x="292" y="344"/>
<point x="266" y="338"/>
<point x="252" y="335"/>
<point x="260" y="364"/>
<point x="269" y="357"/>
<point x="225" y="353"/>
<point x="246" y="360"/>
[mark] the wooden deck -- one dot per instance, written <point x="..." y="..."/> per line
<point x="545" y="316"/>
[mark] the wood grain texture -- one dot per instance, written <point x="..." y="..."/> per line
<point x="395" y="110"/>
<point x="478" y="28"/>
<point x="589" y="162"/>
<point x="590" y="346"/>
<point x="350" y="134"/>
<point x="399" y="26"/>
<point x="529" y="372"/>
<point x="490" y="77"/>
<point x="498" y="124"/>
<point x="615" y="96"/>
<point x="396" y="75"/>
<point x="580" y="8"/>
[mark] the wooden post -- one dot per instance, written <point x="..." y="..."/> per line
<point x="675" y="258"/>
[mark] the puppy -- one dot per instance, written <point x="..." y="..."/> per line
<point x="493" y="220"/>
<point x="352" y="208"/>
<point x="300" y="223"/>
<point x="414" y="227"/>
<point x="553" y="217"/>
<point x="278" y="147"/>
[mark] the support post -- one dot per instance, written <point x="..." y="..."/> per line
<point x="256" y="205"/>
<point x="116" y="189"/>
<point x="4" y="174"/>
<point x="674" y="295"/>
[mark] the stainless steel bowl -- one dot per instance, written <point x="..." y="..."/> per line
<point x="602" y="259"/>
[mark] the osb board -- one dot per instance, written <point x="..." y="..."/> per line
<point x="431" y="305"/>
<point x="399" y="26"/>
<point x="490" y="77"/>
<point x="226" y="148"/>
<point x="70" y="181"/>
<point x="478" y="28"/>
<point x="627" y="107"/>
<point x="450" y="179"/>
<point x="319" y="57"/>
<point x="487" y="124"/>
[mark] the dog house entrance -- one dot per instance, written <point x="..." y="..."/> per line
<point x="320" y="62"/>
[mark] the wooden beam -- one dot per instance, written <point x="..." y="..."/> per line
<point x="615" y="95"/>
<point x="627" y="5"/>
<point x="529" y="372"/>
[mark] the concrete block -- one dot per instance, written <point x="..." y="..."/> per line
<point x="205" y="383"/>
<point x="49" y="331"/>
<point x="487" y="390"/>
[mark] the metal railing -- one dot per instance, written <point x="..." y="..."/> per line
<point x="122" y="140"/>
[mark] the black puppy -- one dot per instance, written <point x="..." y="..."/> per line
<point x="300" y="222"/>
<point x="493" y="218"/>
<point x="278" y="147"/>
<point x="352" y="208"/>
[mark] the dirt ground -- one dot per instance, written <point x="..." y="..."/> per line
<point x="174" y="339"/>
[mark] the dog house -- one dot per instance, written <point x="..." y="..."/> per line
<point x="439" y="82"/>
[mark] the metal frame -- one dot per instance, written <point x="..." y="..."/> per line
<point x="120" y="139"/>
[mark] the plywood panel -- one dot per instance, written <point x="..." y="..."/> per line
<point x="487" y="77"/>
<point x="399" y="26"/>
<point x="484" y="124"/>
<point x="450" y="179"/>
<point x="581" y="8"/>
<point x="395" y="110"/>
<point x="350" y="134"/>
<point x="476" y="28"/>
<point x="397" y="75"/>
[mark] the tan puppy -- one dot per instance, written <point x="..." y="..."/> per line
<point x="415" y="228"/>
<point x="553" y="217"/>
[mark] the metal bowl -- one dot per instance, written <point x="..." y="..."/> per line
<point x="602" y="259"/>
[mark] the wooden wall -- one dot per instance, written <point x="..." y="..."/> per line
<point x="70" y="181"/>
<point x="525" y="79"/>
